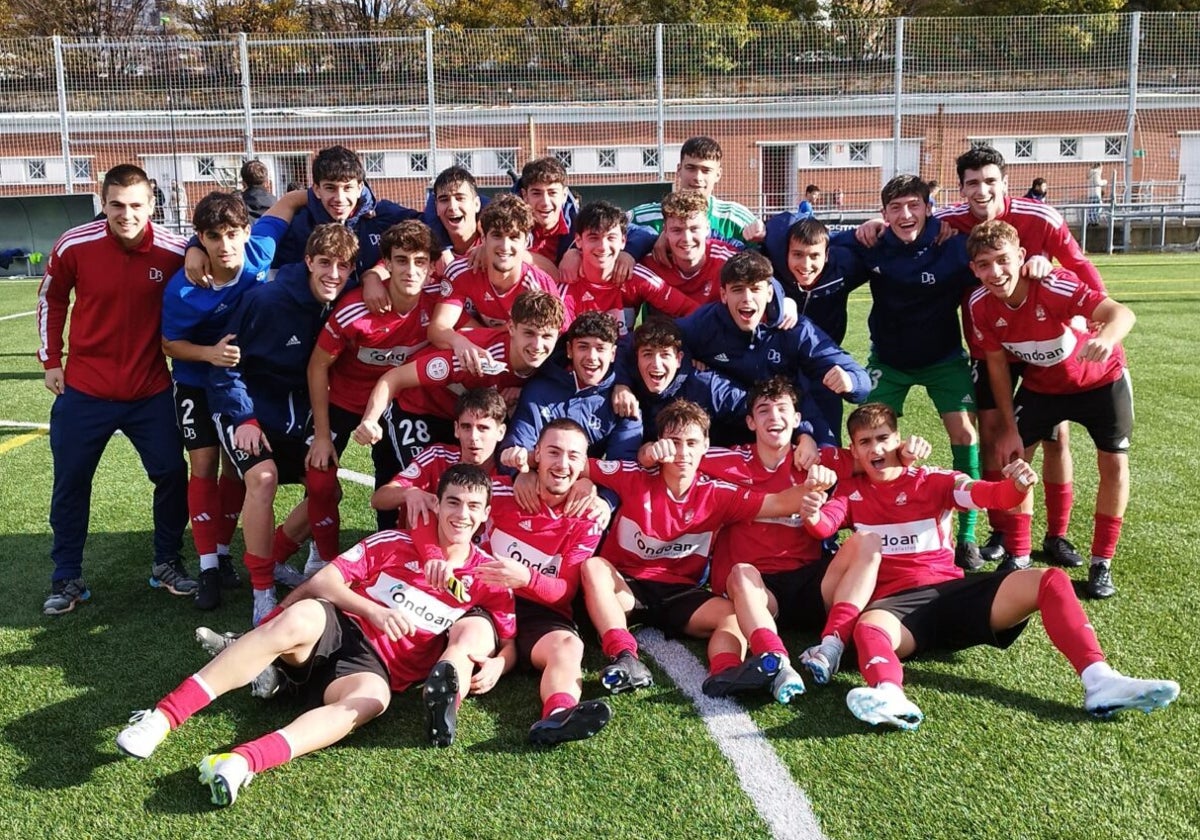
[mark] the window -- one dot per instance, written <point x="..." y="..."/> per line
<point x="373" y="163"/>
<point x="979" y="143"/>
<point x="465" y="159"/>
<point x="506" y="160"/>
<point x="1068" y="147"/>
<point x="81" y="169"/>
<point x="650" y="157"/>
<point x="818" y="154"/>
<point x="860" y="152"/>
<point x="1023" y="149"/>
<point x="607" y="158"/>
<point x="206" y="167"/>
<point x="35" y="170"/>
<point x="565" y="157"/>
<point x="1114" y="146"/>
<point x="418" y="161"/>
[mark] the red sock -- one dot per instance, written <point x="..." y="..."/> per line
<point x="233" y="493"/>
<point x="1018" y="540"/>
<point x="558" y="700"/>
<point x="322" y="486"/>
<point x="261" y="570"/>
<point x="266" y="752"/>
<point x="997" y="519"/>
<point x="1104" y="537"/>
<point x="189" y="697"/>
<point x="284" y="546"/>
<point x="204" y="509"/>
<point x="722" y="661"/>
<point x="1060" y="498"/>
<point x="763" y="641"/>
<point x="841" y="620"/>
<point x="877" y="661"/>
<point x="1065" y="621"/>
<point x="616" y="641"/>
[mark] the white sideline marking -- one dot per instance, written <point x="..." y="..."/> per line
<point x="18" y="315"/>
<point x="356" y="477"/>
<point x="17" y="424"/>
<point x="783" y="806"/>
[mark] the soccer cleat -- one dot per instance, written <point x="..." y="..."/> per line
<point x="787" y="684"/>
<point x="64" y="595"/>
<point x="1117" y="692"/>
<point x="268" y="682"/>
<point x="884" y="703"/>
<point x="993" y="551"/>
<point x="314" y="563"/>
<point x="286" y="575"/>
<point x="225" y="774"/>
<point x="625" y="673"/>
<point x="574" y="724"/>
<point x="1013" y="564"/>
<point x="208" y="595"/>
<point x="441" y="704"/>
<point x="264" y="602"/>
<point x="145" y="732"/>
<point x="967" y="557"/>
<point x="229" y="575"/>
<point x="171" y="576"/>
<point x="750" y="675"/>
<point x="823" y="660"/>
<point x="1100" y="582"/>
<point x="1060" y="552"/>
<point x="214" y="642"/>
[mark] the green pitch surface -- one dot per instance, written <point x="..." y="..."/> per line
<point x="1005" y="750"/>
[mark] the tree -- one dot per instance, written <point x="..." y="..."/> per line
<point x="82" y="17"/>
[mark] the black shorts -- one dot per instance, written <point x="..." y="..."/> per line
<point x="667" y="606"/>
<point x="798" y="594"/>
<point x="953" y="615"/>
<point x="287" y="452"/>
<point x="195" y="421"/>
<point x="404" y="435"/>
<point x="342" y="424"/>
<point x="985" y="400"/>
<point x="1106" y="412"/>
<point x="535" y="621"/>
<point x="341" y="651"/>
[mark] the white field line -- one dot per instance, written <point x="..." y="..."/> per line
<point x="18" y="315"/>
<point x="17" y="424"/>
<point x="356" y="477"/>
<point x="783" y="806"/>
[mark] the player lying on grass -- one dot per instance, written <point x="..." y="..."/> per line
<point x="370" y="625"/>
<point x="922" y="602"/>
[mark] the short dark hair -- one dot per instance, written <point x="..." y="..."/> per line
<point x="976" y="158"/>
<point x="680" y="413"/>
<point x="486" y="402"/>
<point x="536" y="308"/>
<point x="124" y="175"/>
<point x="1039" y="185"/>
<point x="811" y="188"/>
<point x="544" y="170"/>
<point x="701" y="148"/>
<point x="904" y="185"/>
<point x="808" y="231"/>
<point x="254" y="173"/>
<point x="658" y="332"/>
<point x="410" y="236"/>
<point x="508" y="214"/>
<point x="220" y="209"/>
<point x="600" y="217"/>
<point x="466" y="476"/>
<point x="594" y="324"/>
<point x="772" y="389"/>
<point x="746" y="267"/>
<point x="565" y="424"/>
<point x="337" y="163"/>
<point x="870" y="415"/>
<point x="452" y="176"/>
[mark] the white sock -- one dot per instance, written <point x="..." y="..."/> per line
<point x="1101" y="561"/>
<point x="222" y="550"/>
<point x="208" y="561"/>
<point x="1095" y="673"/>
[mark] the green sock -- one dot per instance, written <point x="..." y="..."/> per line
<point x="966" y="460"/>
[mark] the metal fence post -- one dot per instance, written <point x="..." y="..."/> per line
<point x="247" y="107"/>
<point x="433" y="165"/>
<point x="60" y="80"/>
<point x="899" y="85"/>
<point x="658" y="90"/>
<point x="1135" y="31"/>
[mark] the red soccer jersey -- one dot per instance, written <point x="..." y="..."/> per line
<point x="655" y="536"/>
<point x="704" y="285"/>
<point x="1039" y="332"/>
<point x="365" y="344"/>
<point x="389" y="568"/>
<point x="770" y="545"/>
<point x="474" y="292"/>
<point x="443" y="378"/>
<point x="116" y="322"/>
<point x="552" y="545"/>
<point x="544" y="242"/>
<point x="622" y="302"/>
<point x="427" y="467"/>
<point x="913" y="515"/>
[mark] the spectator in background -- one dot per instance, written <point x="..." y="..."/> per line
<point x="839" y="198"/>
<point x="160" y="202"/>
<point x="811" y="200"/>
<point x="254" y="190"/>
<point x="1038" y="190"/>
<point x="1096" y="184"/>
<point x="935" y="190"/>
<point x="178" y="211"/>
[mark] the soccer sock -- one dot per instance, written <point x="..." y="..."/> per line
<point x="266" y="752"/>
<point x="616" y="641"/>
<point x="322" y="488"/>
<point x="283" y="548"/>
<point x="558" y="700"/>
<point x="189" y="697"/>
<point x="763" y="641"/>
<point x="1019" y="538"/>
<point x="261" y="571"/>
<point x="1065" y="621"/>
<point x="1060" y="498"/>
<point x="966" y="460"/>
<point x="204" y="509"/>
<point x="999" y="520"/>
<point x="233" y="493"/>
<point x="1107" y="531"/>
<point x="877" y="661"/>
<point x="841" y="620"/>
<point x="723" y="661"/>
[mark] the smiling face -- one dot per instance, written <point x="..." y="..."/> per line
<point x="339" y="198"/>
<point x="128" y="211"/>
<point x="591" y="358"/>
<point x="876" y="451"/>
<point x="458" y="210"/>
<point x="327" y="276"/>
<point x="225" y="246"/>
<point x="687" y="239"/>
<point x="560" y="455"/>
<point x="504" y="250"/>
<point x="599" y="250"/>
<point x="747" y="302"/>
<point x="530" y="345"/>
<point x="690" y="445"/>
<point x="461" y="510"/>
<point x="546" y="201"/>
<point x="806" y="262"/>
<point x="478" y="436"/>
<point x="999" y="270"/>
<point x="658" y="366"/>
<point x="984" y="191"/>
<point x="700" y="174"/>
<point x="906" y="216"/>
<point x="773" y="419"/>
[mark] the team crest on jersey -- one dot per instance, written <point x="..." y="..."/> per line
<point x="1039" y="313"/>
<point x="901" y="498"/>
<point x="411" y="471"/>
<point x="687" y="516"/>
<point x="593" y="423"/>
<point x="608" y="467"/>
<point x="374" y="237"/>
<point x="156" y="275"/>
<point x="353" y="554"/>
<point x="928" y="278"/>
<point x="774" y="357"/>
<point x="437" y="369"/>
<point x="445" y="288"/>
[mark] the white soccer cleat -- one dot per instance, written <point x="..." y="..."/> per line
<point x="225" y="774"/>
<point x="787" y="684"/>
<point x="314" y="563"/>
<point x="264" y="602"/>
<point x="147" y="729"/>
<point x="884" y="703"/>
<point x="214" y="642"/>
<point x="1116" y="693"/>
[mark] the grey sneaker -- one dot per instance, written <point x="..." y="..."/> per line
<point x="823" y="660"/>
<point x="171" y="576"/>
<point x="286" y="575"/>
<point x="64" y="595"/>
<point x="787" y="684"/>
<point x="1100" y="581"/>
<point x="268" y="682"/>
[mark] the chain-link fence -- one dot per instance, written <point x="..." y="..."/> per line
<point x="838" y="105"/>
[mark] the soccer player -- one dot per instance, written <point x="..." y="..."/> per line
<point x="370" y="624"/>
<point x="117" y="379"/>
<point x="694" y="257"/>
<point x="543" y="188"/>
<point x="1070" y="374"/>
<point x="261" y="406"/>
<point x="922" y="602"/>
<point x="538" y="555"/>
<point x="195" y="335"/>
<point x="456" y="206"/>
